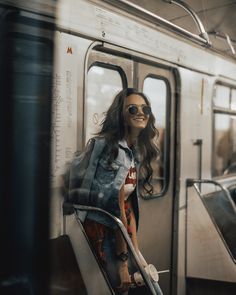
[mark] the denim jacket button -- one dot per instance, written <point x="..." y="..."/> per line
<point x="101" y="195"/>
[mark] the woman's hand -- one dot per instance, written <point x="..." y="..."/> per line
<point x="125" y="280"/>
<point x="141" y="258"/>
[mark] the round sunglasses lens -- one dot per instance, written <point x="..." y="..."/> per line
<point x="133" y="110"/>
<point x="146" y="110"/>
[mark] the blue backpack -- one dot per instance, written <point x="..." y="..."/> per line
<point x="80" y="173"/>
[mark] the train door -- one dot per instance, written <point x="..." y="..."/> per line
<point x="156" y="214"/>
<point x="106" y="75"/>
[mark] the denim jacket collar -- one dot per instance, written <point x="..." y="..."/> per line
<point x="123" y="143"/>
<point x="134" y="152"/>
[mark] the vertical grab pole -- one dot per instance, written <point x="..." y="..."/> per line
<point x="198" y="142"/>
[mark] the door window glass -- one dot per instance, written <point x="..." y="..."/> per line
<point x="156" y="91"/>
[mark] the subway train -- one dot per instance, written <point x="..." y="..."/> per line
<point x="62" y="63"/>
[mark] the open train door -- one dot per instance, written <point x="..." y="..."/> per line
<point x="108" y="71"/>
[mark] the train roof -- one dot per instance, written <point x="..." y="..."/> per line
<point x="217" y="16"/>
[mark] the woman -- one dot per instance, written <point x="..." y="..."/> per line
<point x="128" y="139"/>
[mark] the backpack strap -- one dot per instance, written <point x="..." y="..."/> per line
<point x="84" y="169"/>
<point x="99" y="146"/>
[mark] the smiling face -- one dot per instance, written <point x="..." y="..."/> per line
<point x="135" y="113"/>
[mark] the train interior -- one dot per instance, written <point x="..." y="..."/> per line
<point x="62" y="63"/>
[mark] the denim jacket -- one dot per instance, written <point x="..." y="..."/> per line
<point x="105" y="181"/>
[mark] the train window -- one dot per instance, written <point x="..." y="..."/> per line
<point x="224" y="140"/>
<point x="30" y="65"/>
<point x="222" y="97"/>
<point x="233" y="99"/>
<point x="156" y="90"/>
<point x="103" y="83"/>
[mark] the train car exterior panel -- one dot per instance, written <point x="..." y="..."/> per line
<point x="103" y="22"/>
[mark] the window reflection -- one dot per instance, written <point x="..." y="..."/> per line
<point x="103" y="84"/>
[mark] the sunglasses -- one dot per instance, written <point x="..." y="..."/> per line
<point x="133" y="110"/>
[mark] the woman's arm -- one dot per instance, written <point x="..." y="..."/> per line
<point x="133" y="228"/>
<point x="120" y="242"/>
<point x="121" y="247"/>
<point x="134" y="238"/>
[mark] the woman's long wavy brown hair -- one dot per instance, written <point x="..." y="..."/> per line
<point x="113" y="129"/>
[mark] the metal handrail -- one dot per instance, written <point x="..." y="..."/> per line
<point x="191" y="182"/>
<point x="202" y="38"/>
<point x="129" y="243"/>
<point x="226" y="38"/>
<point x="195" y="17"/>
